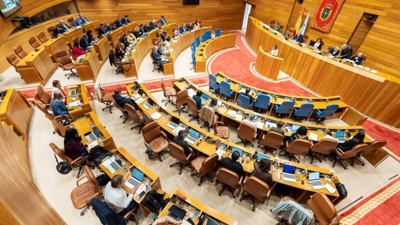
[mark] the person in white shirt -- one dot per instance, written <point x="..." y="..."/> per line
<point x="274" y="50"/>
<point x="116" y="198"/>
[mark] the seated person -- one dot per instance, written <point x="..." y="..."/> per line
<point x="261" y="171"/>
<point x="301" y="133"/>
<point x="116" y="198"/>
<point x="158" y="57"/>
<point x="166" y="220"/>
<point x="190" y="27"/>
<point x="126" y="20"/>
<point x="163" y="21"/>
<point x="147" y="27"/>
<point x="214" y="104"/>
<point x="277" y="27"/>
<point x="57" y="104"/>
<point x="251" y="121"/>
<point x="118" y="23"/>
<point x="141" y="28"/>
<point x="232" y="163"/>
<point x="90" y="37"/>
<point x="165" y="37"/>
<point x="334" y="51"/>
<point x="82" y="18"/>
<point x="180" y="140"/>
<point x="110" y="27"/>
<point x="197" y="24"/>
<point x="102" y="30"/>
<point x="274" y="50"/>
<point x="124" y="40"/>
<point x="358" y="59"/>
<point x="137" y="32"/>
<point x="83" y="42"/>
<point x="182" y="29"/>
<point x="119" y="53"/>
<point x="298" y="38"/>
<point x="73" y="146"/>
<point x="77" y="51"/>
<point x="153" y="24"/>
<point x="130" y="37"/>
<point x="279" y="128"/>
<point x="247" y="93"/>
<point x="121" y="100"/>
<point x="176" y="33"/>
<point x="348" y="145"/>
<point x="318" y="44"/>
<point x="57" y="88"/>
<point x="78" y="22"/>
<point x="64" y="26"/>
<point x="197" y="99"/>
<point x="57" y="30"/>
<point x="347" y="52"/>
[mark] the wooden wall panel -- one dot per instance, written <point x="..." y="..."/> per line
<point x="279" y="10"/>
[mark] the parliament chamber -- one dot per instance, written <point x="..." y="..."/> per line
<point x="200" y="59"/>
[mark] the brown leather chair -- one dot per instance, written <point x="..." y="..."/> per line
<point x="254" y="187"/>
<point x="229" y="179"/>
<point x="365" y="58"/>
<point x="34" y="43"/>
<point x="203" y="165"/>
<point x="298" y="147"/>
<point x="168" y="92"/>
<point x="323" y="209"/>
<point x="305" y="38"/>
<point x="156" y="65"/>
<point x="291" y="31"/>
<point x="192" y="107"/>
<point x="178" y="153"/>
<point x="13" y="60"/>
<point x="272" y="23"/>
<point x="246" y="134"/>
<point x="70" y="21"/>
<point x="155" y="138"/>
<point x="75" y="39"/>
<point x="43" y="96"/>
<point x="123" y="111"/>
<point x="59" y="128"/>
<point x="42" y="37"/>
<point x="20" y="52"/>
<point x="135" y="115"/>
<point x="180" y="101"/>
<point x="64" y="61"/>
<point x="50" y="30"/>
<point x="324" y="146"/>
<point x="373" y="147"/>
<point x="76" y="163"/>
<point x="220" y="129"/>
<point x="272" y="140"/>
<point x="353" y="153"/>
<point x="84" y="192"/>
<point x="147" y="118"/>
<point x="106" y="98"/>
<point x="43" y="108"/>
<point x="207" y="116"/>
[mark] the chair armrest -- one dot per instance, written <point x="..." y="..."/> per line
<point x="188" y="157"/>
<point x="241" y="180"/>
<point x="164" y="135"/>
<point x="339" y="152"/>
<point x="219" y="122"/>
<point x="245" y="178"/>
<point x="145" y="144"/>
<point x="80" y="178"/>
<point x="90" y="198"/>
<point x="80" y="160"/>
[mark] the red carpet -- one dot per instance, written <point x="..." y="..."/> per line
<point x="379" y="208"/>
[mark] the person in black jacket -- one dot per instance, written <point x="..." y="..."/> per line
<point x="57" y="30"/>
<point x="232" y="163"/>
<point x="348" y="145"/>
<point x="121" y="100"/>
<point x="347" y="52"/>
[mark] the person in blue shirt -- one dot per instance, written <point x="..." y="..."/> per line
<point x="182" y="29"/>
<point x="358" y="59"/>
<point x="163" y="21"/>
<point x="157" y="57"/>
<point x="197" y="99"/>
<point x="118" y="23"/>
<point x="64" y="26"/>
<point x="57" y="105"/>
<point x="110" y="27"/>
<point x="82" y="18"/>
<point x="57" y="30"/>
<point x="102" y="30"/>
<point x="78" y="22"/>
<point x="84" y="42"/>
<point x="125" y="20"/>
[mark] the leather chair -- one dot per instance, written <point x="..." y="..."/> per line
<point x="203" y="165"/>
<point x="180" y="101"/>
<point x="221" y="131"/>
<point x="75" y="39"/>
<point x="135" y="115"/>
<point x="284" y="108"/>
<point x="272" y="23"/>
<point x="192" y="107"/>
<point x="262" y="102"/>
<point x="13" y="60"/>
<point x="83" y="193"/>
<point x="305" y="38"/>
<point x="106" y="98"/>
<point x="373" y="147"/>
<point x="298" y="147"/>
<point x="353" y="153"/>
<point x="225" y="90"/>
<point x="207" y="116"/>
<point x="64" y="61"/>
<point x="59" y="128"/>
<point x="177" y="152"/>
<point x="123" y="111"/>
<point x="156" y="65"/>
<point x="246" y="134"/>
<point x="365" y="58"/>
<point x="291" y="31"/>
<point x="70" y="21"/>
<point x="327" y="112"/>
<point x="42" y="37"/>
<point x="147" y="118"/>
<point x="272" y="140"/>
<point x="323" y="209"/>
<point x="43" y="96"/>
<point x="155" y="138"/>
<point x="229" y="179"/>
<point x="305" y="110"/>
<point x="168" y="92"/>
<point x="324" y="146"/>
<point x="255" y="188"/>
<point x="244" y="102"/>
<point x="77" y="163"/>
<point x="20" y="52"/>
<point x="212" y="82"/>
<point x="63" y="119"/>
<point x="50" y="30"/>
<point x="34" y="43"/>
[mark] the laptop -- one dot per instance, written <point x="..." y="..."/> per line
<point x="149" y="103"/>
<point x="313" y="177"/>
<point x="192" y="136"/>
<point x="204" y="97"/>
<point x="176" y="212"/>
<point x="174" y="122"/>
<point x="90" y="136"/>
<point x="261" y="156"/>
<point x="295" y="127"/>
<point x="135" y="179"/>
<point x="115" y="162"/>
<point x="211" y="222"/>
<point x="238" y="150"/>
<point x="72" y="94"/>
<point x="288" y="173"/>
<point x="340" y="136"/>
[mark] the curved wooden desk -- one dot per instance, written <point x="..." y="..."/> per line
<point x="268" y="65"/>
<point x="375" y="95"/>
<point x="206" y="49"/>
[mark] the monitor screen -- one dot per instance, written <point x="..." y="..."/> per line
<point x="238" y="150"/>
<point x="261" y="156"/>
<point x="289" y="169"/>
<point x="211" y="222"/>
<point x="205" y="96"/>
<point x="137" y="174"/>
<point x="150" y="101"/>
<point x="9" y="7"/>
<point x="175" y="119"/>
<point x="141" y="92"/>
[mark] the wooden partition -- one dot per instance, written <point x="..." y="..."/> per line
<point x="89" y="67"/>
<point x="375" y="95"/>
<point x="268" y="65"/>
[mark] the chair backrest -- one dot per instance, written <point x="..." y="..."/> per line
<point x="208" y="164"/>
<point x="43" y="108"/>
<point x="262" y="101"/>
<point x="299" y="147"/>
<point x="212" y="81"/>
<point x="118" y="107"/>
<point x="75" y="39"/>
<point x="322" y="208"/>
<point x="225" y="88"/>
<point x="13" y="59"/>
<point x="365" y="58"/>
<point x="243" y="101"/>
<point x="329" y="110"/>
<point x="373" y="146"/>
<point x="271" y="23"/>
<point x="305" y="109"/>
<point x="147" y="118"/>
<point x="20" y="52"/>
<point x="50" y="30"/>
<point x="305" y="38"/>
<point x="91" y="178"/>
<point x="325" y="146"/>
<point x="42" y="96"/>
<point x="217" y="32"/>
<point x="70" y="21"/>
<point x="228" y="177"/>
<point x="58" y="128"/>
<point x="257" y="188"/>
<point x="33" y="42"/>
<point x="164" y="88"/>
<point x="42" y="37"/>
<point x="273" y="140"/>
<point x="286" y="107"/>
<point x="62" y="57"/>
<point x="192" y="106"/>
<point x="132" y="113"/>
<point x="151" y="131"/>
<point x="354" y="151"/>
<point x="59" y="152"/>
<point x="246" y="131"/>
<point x="197" y="40"/>
<point x="177" y="152"/>
<point x="181" y="97"/>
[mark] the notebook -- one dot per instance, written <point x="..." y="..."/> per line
<point x="174" y="122"/>
<point x="211" y="222"/>
<point x="192" y="136"/>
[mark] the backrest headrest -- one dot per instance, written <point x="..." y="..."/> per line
<point x="256" y="187"/>
<point x="192" y="106"/>
<point x="227" y="176"/>
<point x="59" y="152"/>
<point x="322" y="208"/>
<point x="177" y="151"/>
<point x="62" y="57"/>
<point x="325" y="145"/>
<point x="181" y="97"/>
<point x="13" y="59"/>
<point x="299" y="146"/>
<point x="246" y="130"/>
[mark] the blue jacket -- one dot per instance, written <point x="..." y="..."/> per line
<point x="121" y="100"/>
<point x="58" y="107"/>
<point x="77" y="22"/>
<point x="182" y="30"/>
<point x="125" y="21"/>
<point x="110" y="28"/>
<point x="84" y="43"/>
<point x="105" y="214"/>
<point x="163" y="22"/>
<point x="119" y="23"/>
<point x="65" y="27"/>
<point x="156" y="55"/>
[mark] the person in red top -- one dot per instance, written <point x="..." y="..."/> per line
<point x="76" y="51"/>
<point x="57" y="89"/>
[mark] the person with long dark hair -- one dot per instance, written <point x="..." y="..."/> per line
<point x="261" y="171"/>
<point x="73" y="145"/>
<point x="357" y="139"/>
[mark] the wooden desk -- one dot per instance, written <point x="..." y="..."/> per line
<point x="36" y="67"/>
<point x="268" y="65"/>
<point x="113" y="36"/>
<point x="192" y="206"/>
<point x="102" y="48"/>
<point x="130" y="26"/>
<point x="206" y="49"/>
<point x="89" y="68"/>
<point x="91" y="25"/>
<point x="83" y="95"/>
<point x="69" y="36"/>
<point x="54" y="45"/>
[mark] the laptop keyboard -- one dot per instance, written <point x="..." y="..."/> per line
<point x="191" y="139"/>
<point x="172" y="125"/>
<point x="289" y="177"/>
<point x="134" y="182"/>
<point x="115" y="166"/>
<point x="147" y="106"/>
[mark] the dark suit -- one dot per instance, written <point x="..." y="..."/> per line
<point x="77" y="22"/>
<point x="163" y="22"/>
<point x="346" y="53"/>
<point x="147" y="29"/>
<point x="125" y="21"/>
<point x="83" y="19"/>
<point x="84" y="43"/>
<point x="65" y="27"/>
<point x="56" y="32"/>
<point x="183" y="144"/>
<point x="332" y="52"/>
<point x="299" y="38"/>
<point x="231" y="165"/>
<point x="347" y="145"/>
<point x="357" y="60"/>
<point x="189" y="27"/>
<point x="101" y="31"/>
<point x="137" y="33"/>
<point x="122" y="100"/>
<point x="157" y="58"/>
<point x="119" y="23"/>
<point x="153" y="25"/>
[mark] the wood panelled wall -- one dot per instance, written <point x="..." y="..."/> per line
<point x="224" y="14"/>
<point x="381" y="43"/>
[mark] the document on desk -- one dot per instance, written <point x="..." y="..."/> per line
<point x="313" y="136"/>
<point x="330" y="188"/>
<point x="232" y="113"/>
<point x="220" y="153"/>
<point x="329" y="137"/>
<point x="177" y="129"/>
<point x="139" y="100"/>
<point x="155" y="116"/>
<point x="271" y="125"/>
<point x="107" y="163"/>
<point x="75" y="103"/>
<point x="239" y="117"/>
<point x="260" y="125"/>
<point x="191" y="92"/>
<point x="136" y="96"/>
<point x="93" y="144"/>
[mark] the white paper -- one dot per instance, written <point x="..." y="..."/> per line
<point x="138" y="101"/>
<point x="191" y="92"/>
<point x="271" y="125"/>
<point x="330" y="188"/>
<point x="177" y="129"/>
<point x="75" y="103"/>
<point x="93" y="144"/>
<point x="220" y="153"/>
<point x="239" y="117"/>
<point x="313" y="136"/>
<point x="155" y="116"/>
<point x="107" y="164"/>
<point x="260" y="125"/>
<point x="231" y="113"/>
<point x="136" y="96"/>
